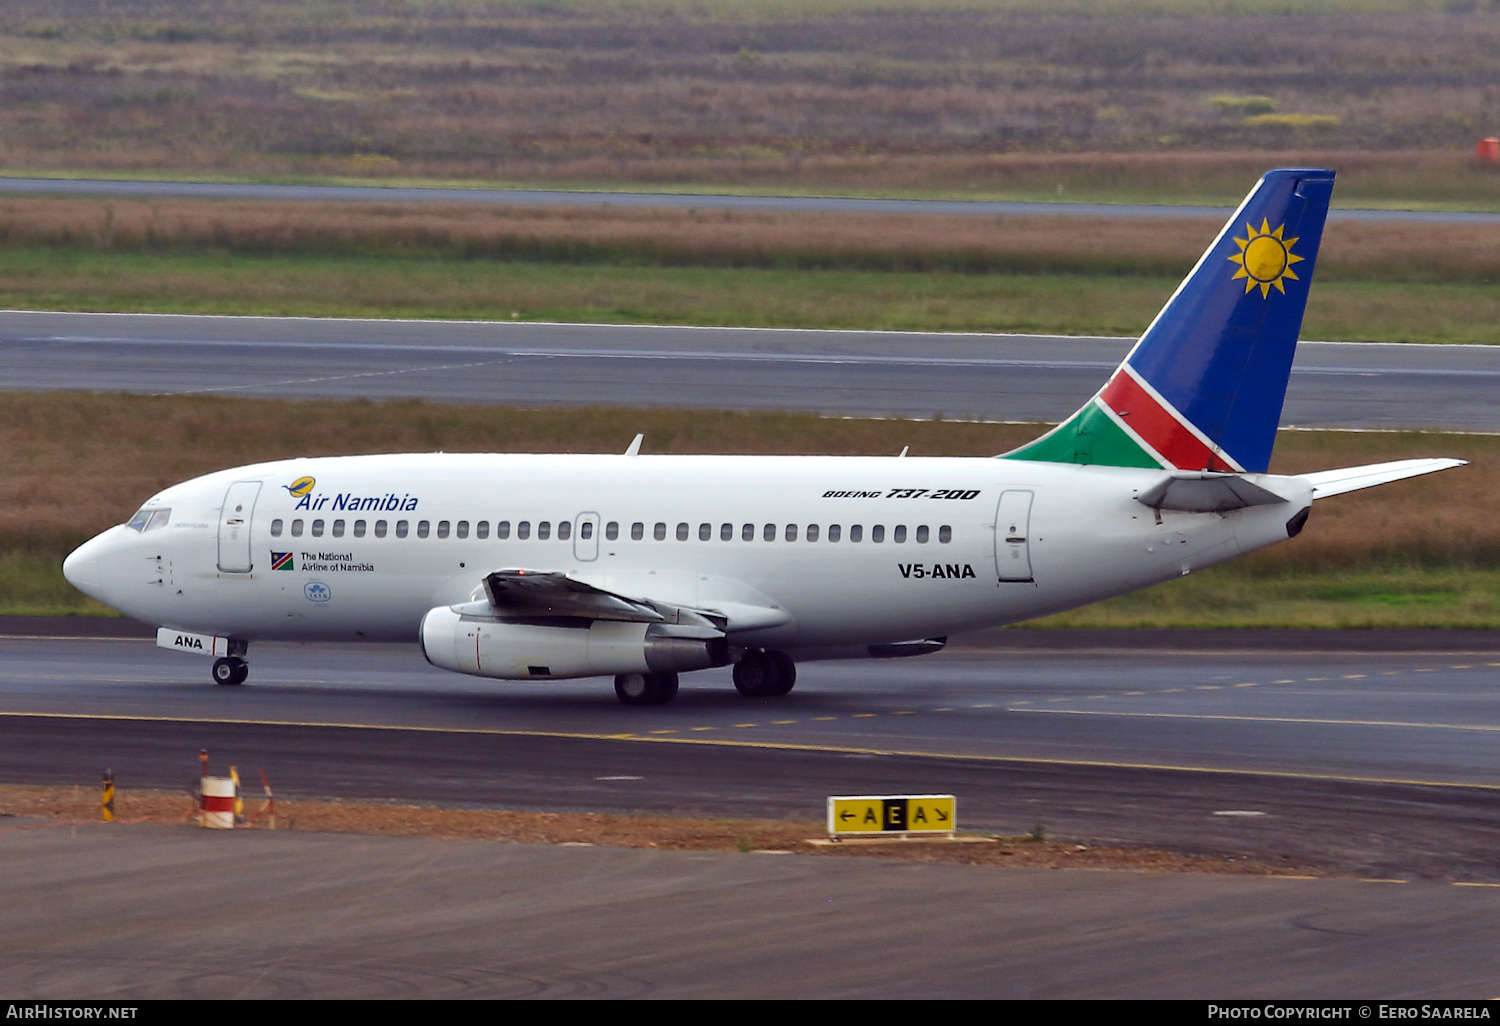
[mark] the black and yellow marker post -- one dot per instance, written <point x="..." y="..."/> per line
<point x="239" y="801"/>
<point x="107" y="797"/>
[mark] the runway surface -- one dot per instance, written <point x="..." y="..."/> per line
<point x="153" y="912"/>
<point x="701" y="201"/>
<point x="1369" y="763"/>
<point x="1375" y="764"/>
<point x="853" y="373"/>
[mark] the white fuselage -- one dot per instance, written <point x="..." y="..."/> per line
<point x="861" y="551"/>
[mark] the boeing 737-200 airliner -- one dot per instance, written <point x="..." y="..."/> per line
<point x="541" y="567"/>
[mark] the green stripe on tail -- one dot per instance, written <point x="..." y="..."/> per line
<point x="1090" y="436"/>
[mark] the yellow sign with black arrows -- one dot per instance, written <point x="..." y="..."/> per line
<point x="892" y="814"/>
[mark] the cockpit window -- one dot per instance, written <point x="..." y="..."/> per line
<point x="149" y="520"/>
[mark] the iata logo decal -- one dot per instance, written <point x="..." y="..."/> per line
<point x="1265" y="258"/>
<point x="282" y="561"/>
<point x="300" y="487"/>
<point x="317" y="591"/>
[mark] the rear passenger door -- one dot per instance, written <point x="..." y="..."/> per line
<point x="1012" y="536"/>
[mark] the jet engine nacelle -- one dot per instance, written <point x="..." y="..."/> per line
<point x="487" y="646"/>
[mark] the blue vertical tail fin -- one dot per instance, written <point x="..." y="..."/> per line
<point x="1204" y="386"/>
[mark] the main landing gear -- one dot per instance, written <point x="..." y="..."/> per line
<point x="760" y="674"/>
<point x="763" y="674"/>
<point x="231" y="670"/>
<point x="646" y="688"/>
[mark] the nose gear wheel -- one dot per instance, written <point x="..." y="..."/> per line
<point x="230" y="670"/>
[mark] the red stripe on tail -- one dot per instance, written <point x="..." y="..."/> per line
<point x="1157" y="425"/>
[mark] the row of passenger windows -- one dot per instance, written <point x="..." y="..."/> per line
<point x="726" y="532"/>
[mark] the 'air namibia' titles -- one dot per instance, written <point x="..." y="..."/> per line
<point x="348" y="502"/>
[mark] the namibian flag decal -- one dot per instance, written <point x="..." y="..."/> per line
<point x="282" y="561"/>
<point x="1129" y="424"/>
<point x="1152" y="422"/>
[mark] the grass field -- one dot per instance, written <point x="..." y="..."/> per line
<point x="1386" y="282"/>
<point x="666" y="237"/>
<point x="486" y="290"/>
<point x="1418" y="553"/>
<point x="1085" y="98"/>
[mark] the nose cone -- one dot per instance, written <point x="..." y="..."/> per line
<point x="81" y="568"/>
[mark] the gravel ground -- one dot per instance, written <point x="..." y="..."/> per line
<point x="37" y="807"/>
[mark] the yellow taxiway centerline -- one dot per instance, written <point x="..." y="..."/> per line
<point x="1492" y="728"/>
<point x="767" y="745"/>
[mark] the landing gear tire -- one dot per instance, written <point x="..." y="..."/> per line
<point x="646" y="688"/>
<point x="786" y="672"/>
<point x="754" y="675"/>
<point x="230" y="670"/>
<point x="765" y="674"/>
<point x="667" y="685"/>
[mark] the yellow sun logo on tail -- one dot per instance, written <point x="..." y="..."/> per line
<point x="1265" y="258"/>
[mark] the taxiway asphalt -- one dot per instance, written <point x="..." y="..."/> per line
<point x="1376" y="763"/>
<point x="1027" y="378"/>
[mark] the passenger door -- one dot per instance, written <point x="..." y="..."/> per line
<point x="1012" y="536"/>
<point x="234" y="527"/>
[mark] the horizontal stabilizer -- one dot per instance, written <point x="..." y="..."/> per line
<point x="1352" y="479"/>
<point x="1206" y="493"/>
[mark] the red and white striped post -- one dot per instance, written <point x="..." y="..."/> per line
<point x="218" y="803"/>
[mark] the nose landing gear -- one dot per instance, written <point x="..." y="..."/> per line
<point x="230" y="670"/>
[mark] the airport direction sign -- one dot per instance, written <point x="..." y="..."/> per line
<point x="905" y="814"/>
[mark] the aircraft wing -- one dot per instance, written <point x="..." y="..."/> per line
<point x="1352" y="479"/>
<point x="518" y="592"/>
<point x="554" y="593"/>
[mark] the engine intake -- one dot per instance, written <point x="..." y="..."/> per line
<point x="489" y="646"/>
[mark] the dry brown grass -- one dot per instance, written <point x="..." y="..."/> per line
<point x="1416" y="553"/>
<point x="73" y="464"/>
<point x="43" y="807"/>
<point x="838" y="95"/>
<point x="665" y="236"/>
<point x="1444" y="519"/>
